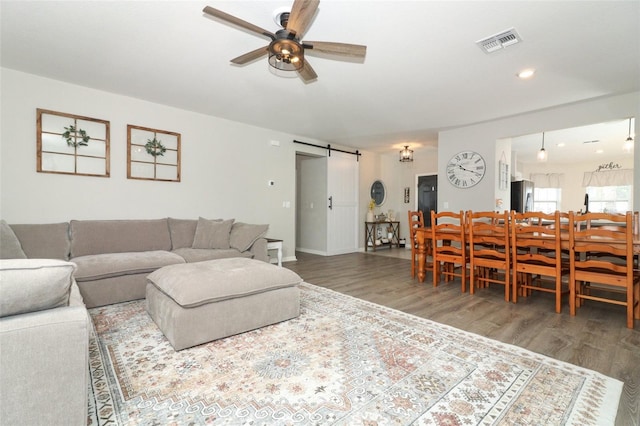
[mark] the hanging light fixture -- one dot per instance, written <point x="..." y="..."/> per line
<point x="406" y="154"/>
<point x="628" y="144"/>
<point x="542" y="154"/>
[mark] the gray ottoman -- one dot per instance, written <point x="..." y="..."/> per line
<point x="194" y="303"/>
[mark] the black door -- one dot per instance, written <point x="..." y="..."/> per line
<point x="427" y="196"/>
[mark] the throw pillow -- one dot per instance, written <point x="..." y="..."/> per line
<point x="30" y="285"/>
<point x="212" y="234"/>
<point x="182" y="232"/>
<point x="243" y="235"/>
<point x="10" y="247"/>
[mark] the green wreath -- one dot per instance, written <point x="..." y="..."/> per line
<point x="154" y="147"/>
<point x="71" y="136"/>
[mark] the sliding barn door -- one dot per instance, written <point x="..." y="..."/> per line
<point x="342" y="203"/>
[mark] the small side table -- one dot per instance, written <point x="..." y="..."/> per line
<point x="273" y="244"/>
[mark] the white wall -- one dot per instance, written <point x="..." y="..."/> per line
<point x="482" y="138"/>
<point x="225" y="165"/>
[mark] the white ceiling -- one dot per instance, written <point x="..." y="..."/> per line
<point x="595" y="142"/>
<point x="423" y="71"/>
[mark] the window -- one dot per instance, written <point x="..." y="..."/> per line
<point x="609" y="199"/>
<point x="546" y="200"/>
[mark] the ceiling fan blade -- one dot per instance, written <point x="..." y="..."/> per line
<point x="355" y="50"/>
<point x="237" y="21"/>
<point x="301" y="15"/>
<point x="250" y="56"/>
<point x="307" y="73"/>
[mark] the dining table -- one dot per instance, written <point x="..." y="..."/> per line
<point x="423" y="240"/>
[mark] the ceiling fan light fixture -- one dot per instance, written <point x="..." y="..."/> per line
<point x="542" y="154"/>
<point x="286" y="50"/>
<point x="406" y="154"/>
<point x="285" y="53"/>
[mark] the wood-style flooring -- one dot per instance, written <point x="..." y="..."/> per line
<point x="596" y="338"/>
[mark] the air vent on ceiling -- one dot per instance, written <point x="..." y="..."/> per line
<point x="499" y="41"/>
<point x="595" y="141"/>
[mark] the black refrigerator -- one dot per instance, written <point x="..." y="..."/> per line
<point x="522" y="196"/>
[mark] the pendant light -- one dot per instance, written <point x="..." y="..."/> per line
<point x="542" y="154"/>
<point x="406" y="154"/>
<point x="628" y="144"/>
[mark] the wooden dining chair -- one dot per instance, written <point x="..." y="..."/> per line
<point x="416" y="220"/>
<point x="448" y="244"/>
<point x="489" y="250"/>
<point x="536" y="256"/>
<point x="602" y="262"/>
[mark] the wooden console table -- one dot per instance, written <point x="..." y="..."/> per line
<point x="371" y="231"/>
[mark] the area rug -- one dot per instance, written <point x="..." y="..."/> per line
<point x="344" y="361"/>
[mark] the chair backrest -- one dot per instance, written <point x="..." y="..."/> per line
<point x="448" y="228"/>
<point x="602" y="241"/>
<point x="489" y="235"/>
<point x="535" y="239"/>
<point x="416" y="220"/>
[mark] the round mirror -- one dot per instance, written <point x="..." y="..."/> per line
<point x="378" y="192"/>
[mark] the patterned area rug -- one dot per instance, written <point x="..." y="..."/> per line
<point x="344" y="361"/>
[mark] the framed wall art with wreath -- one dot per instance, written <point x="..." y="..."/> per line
<point x="153" y="154"/>
<point x="71" y="144"/>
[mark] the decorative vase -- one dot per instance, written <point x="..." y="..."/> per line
<point x="370" y="216"/>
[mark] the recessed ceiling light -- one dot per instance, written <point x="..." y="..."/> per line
<point x="599" y="151"/>
<point x="561" y="145"/>
<point x="524" y="74"/>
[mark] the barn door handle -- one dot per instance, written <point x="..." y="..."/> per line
<point x="331" y="202"/>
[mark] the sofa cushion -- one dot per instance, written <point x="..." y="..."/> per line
<point x="212" y="234"/>
<point x="118" y="236"/>
<point x="182" y="232"/>
<point x="99" y="266"/>
<point x="198" y="255"/>
<point x="10" y="247"/>
<point x="29" y="285"/>
<point x="243" y="235"/>
<point x="44" y="240"/>
<point x="201" y="283"/>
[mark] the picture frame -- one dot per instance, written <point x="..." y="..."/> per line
<point x="503" y="175"/>
<point x="72" y="144"/>
<point x="153" y="154"/>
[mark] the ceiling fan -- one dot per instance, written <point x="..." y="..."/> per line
<point x="286" y="50"/>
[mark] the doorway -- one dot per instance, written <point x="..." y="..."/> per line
<point x="327" y="203"/>
<point x="427" y="196"/>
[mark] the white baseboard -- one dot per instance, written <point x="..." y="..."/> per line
<point x="311" y="251"/>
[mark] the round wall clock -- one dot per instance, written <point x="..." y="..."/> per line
<point x="465" y="169"/>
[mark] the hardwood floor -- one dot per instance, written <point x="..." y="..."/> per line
<point x="596" y="338"/>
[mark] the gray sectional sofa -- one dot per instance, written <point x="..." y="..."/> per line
<point x="113" y="257"/>
<point x="49" y="272"/>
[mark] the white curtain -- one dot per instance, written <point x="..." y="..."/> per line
<point x="547" y="180"/>
<point x="619" y="177"/>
